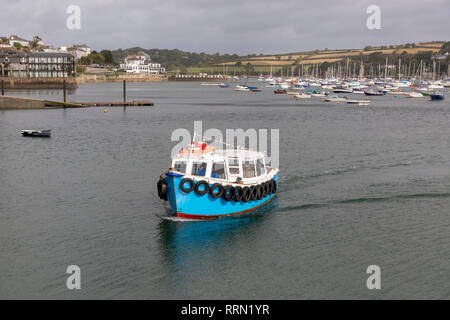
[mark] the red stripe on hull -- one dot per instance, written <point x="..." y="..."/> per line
<point x="210" y="217"/>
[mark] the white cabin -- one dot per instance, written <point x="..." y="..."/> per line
<point x="224" y="166"/>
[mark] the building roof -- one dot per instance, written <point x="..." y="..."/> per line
<point x="138" y="57"/>
<point x="50" y="54"/>
<point x="142" y="53"/>
<point x="14" y="37"/>
<point x="80" y="46"/>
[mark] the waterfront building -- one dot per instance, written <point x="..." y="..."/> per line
<point x="4" y="42"/>
<point x="79" y="51"/>
<point x="141" y="63"/>
<point x="16" y="39"/>
<point x="36" y="64"/>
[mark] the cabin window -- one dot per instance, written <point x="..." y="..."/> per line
<point x="249" y="169"/>
<point x="180" y="166"/>
<point x="233" y="166"/>
<point x="199" y="169"/>
<point x="260" y="169"/>
<point x="218" y="170"/>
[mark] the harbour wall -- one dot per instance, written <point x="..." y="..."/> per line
<point x="194" y="77"/>
<point x="39" y="83"/>
<point x="11" y="103"/>
<point x="92" y="78"/>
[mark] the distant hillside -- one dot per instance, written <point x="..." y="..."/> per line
<point x="330" y="56"/>
<point x="190" y="62"/>
<point x="176" y="58"/>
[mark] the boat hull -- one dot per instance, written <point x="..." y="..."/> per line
<point x="36" y="133"/>
<point x="194" y="206"/>
<point x="436" y="97"/>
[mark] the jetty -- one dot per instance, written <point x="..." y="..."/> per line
<point x="12" y="102"/>
<point x="19" y="103"/>
<point x="134" y="103"/>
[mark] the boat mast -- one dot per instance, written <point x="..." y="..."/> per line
<point x="434" y="70"/>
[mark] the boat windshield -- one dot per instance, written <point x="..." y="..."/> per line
<point x="260" y="168"/>
<point x="199" y="169"/>
<point x="249" y="169"/>
<point x="233" y="166"/>
<point x="218" y="170"/>
<point x="180" y="166"/>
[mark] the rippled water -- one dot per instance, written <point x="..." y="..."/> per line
<point x="358" y="187"/>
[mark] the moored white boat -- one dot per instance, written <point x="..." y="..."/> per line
<point x="334" y="98"/>
<point x="302" y="95"/>
<point x="241" y="88"/>
<point x="414" y="94"/>
<point x="358" y="102"/>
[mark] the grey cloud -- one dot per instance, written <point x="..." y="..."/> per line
<point x="250" y="26"/>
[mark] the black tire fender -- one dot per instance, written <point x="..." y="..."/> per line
<point x="162" y="188"/>
<point x="228" y="193"/>
<point x="266" y="188"/>
<point x="274" y="186"/>
<point x="238" y="193"/>
<point x="218" y="194"/>
<point x="254" y="193"/>
<point x="197" y="187"/>
<point x="260" y="192"/>
<point x="246" y="194"/>
<point x="187" y="180"/>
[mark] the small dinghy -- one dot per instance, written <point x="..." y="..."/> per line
<point x="374" y="93"/>
<point x="360" y="103"/>
<point x="414" y="94"/>
<point x="302" y="95"/>
<point x="436" y="97"/>
<point x="36" y="133"/>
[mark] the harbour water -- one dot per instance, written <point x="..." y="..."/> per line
<point x="359" y="186"/>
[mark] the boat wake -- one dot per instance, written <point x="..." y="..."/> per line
<point x="178" y="219"/>
<point x="351" y="169"/>
<point x="365" y="200"/>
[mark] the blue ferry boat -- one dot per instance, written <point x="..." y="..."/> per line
<point x="205" y="183"/>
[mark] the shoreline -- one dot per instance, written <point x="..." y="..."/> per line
<point x="98" y="78"/>
<point x="73" y="82"/>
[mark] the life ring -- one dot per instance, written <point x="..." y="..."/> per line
<point x="191" y="183"/>
<point x="254" y="194"/>
<point x="213" y="194"/>
<point x="260" y="189"/>
<point x="197" y="187"/>
<point x="238" y="193"/>
<point x="246" y="194"/>
<point x="228" y="193"/>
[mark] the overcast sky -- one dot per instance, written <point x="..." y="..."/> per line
<point x="227" y="26"/>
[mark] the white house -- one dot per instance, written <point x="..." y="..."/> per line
<point x="79" y="51"/>
<point x="141" y="63"/>
<point x="83" y="50"/>
<point x="13" y="39"/>
<point x="50" y="49"/>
